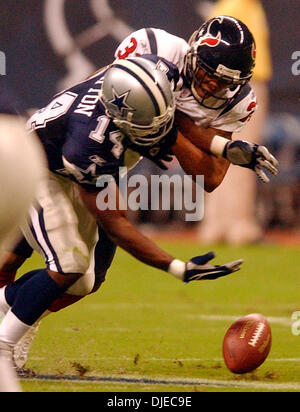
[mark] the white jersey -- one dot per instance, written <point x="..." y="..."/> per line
<point x="231" y="118"/>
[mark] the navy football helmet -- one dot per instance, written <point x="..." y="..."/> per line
<point x="224" y="48"/>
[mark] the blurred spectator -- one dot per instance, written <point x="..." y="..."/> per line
<point x="230" y="211"/>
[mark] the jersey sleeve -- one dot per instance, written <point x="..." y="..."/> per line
<point x="88" y="154"/>
<point x="154" y="41"/>
<point x="232" y="118"/>
<point x="165" y="66"/>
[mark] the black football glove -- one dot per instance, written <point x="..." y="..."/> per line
<point x="251" y="156"/>
<point x="160" y="152"/>
<point x="198" y="268"/>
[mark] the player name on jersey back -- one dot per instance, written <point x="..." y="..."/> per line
<point x="89" y="101"/>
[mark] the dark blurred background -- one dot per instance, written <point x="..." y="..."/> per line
<point x="34" y="68"/>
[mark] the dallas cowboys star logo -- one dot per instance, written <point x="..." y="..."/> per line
<point x="120" y="102"/>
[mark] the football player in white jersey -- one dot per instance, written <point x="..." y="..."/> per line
<point x="85" y="132"/>
<point x="213" y="97"/>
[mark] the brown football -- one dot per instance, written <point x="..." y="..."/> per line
<point x="247" y="343"/>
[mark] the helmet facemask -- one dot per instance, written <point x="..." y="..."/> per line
<point x="230" y="62"/>
<point x="230" y="79"/>
<point x="151" y="134"/>
<point x="138" y="98"/>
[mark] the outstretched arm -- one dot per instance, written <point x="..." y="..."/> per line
<point x="195" y="161"/>
<point x="201" y="137"/>
<point x="239" y="152"/>
<point x="125" y="235"/>
<point x="192" y="149"/>
<point x="120" y="230"/>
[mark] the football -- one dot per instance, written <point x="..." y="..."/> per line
<point x="247" y="343"/>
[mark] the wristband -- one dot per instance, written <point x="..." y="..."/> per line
<point x="177" y="268"/>
<point x="218" y="145"/>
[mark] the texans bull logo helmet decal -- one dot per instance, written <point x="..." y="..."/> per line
<point x="209" y="39"/>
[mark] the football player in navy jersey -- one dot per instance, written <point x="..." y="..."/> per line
<point x="85" y="132"/>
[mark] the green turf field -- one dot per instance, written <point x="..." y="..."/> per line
<point x="145" y="331"/>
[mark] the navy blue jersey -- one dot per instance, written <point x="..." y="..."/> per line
<point x="79" y="139"/>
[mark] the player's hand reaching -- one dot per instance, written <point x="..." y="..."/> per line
<point x="251" y="156"/>
<point x="199" y="268"/>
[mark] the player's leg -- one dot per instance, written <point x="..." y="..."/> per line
<point x="7" y="300"/>
<point x="9" y="267"/>
<point x="101" y="256"/>
<point x="101" y="253"/>
<point x="53" y="232"/>
<point x="11" y="261"/>
<point x="32" y="300"/>
<point x="74" y="225"/>
<point x="8" y="379"/>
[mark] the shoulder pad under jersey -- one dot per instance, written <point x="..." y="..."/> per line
<point x="154" y="41"/>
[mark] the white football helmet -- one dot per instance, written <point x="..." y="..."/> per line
<point x="138" y="97"/>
